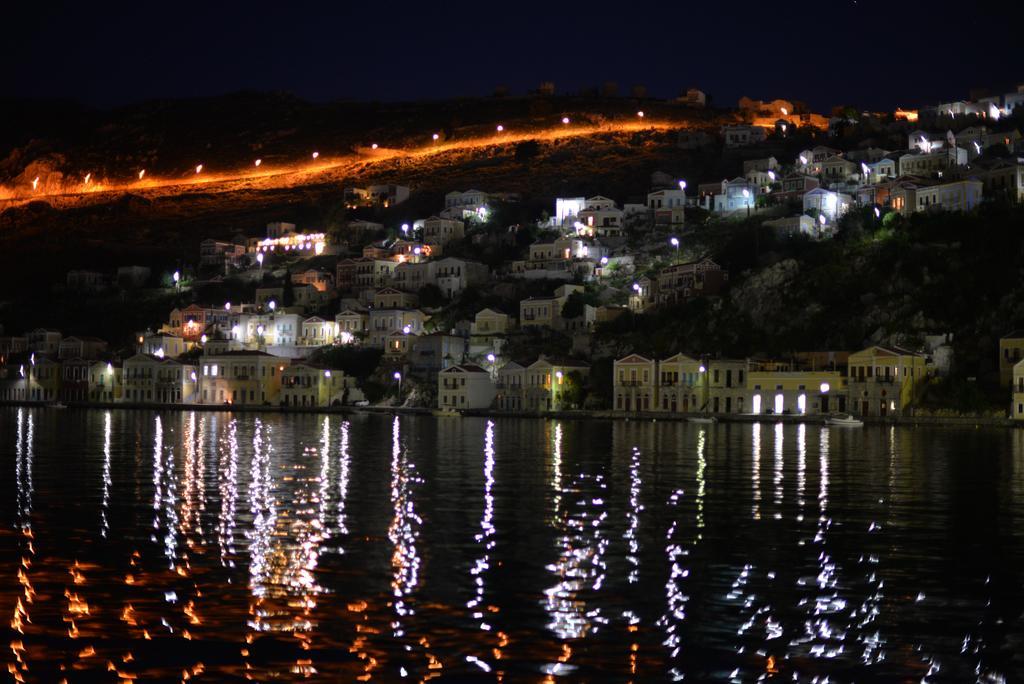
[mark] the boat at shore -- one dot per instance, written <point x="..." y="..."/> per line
<point x="58" y="405"/>
<point x="702" y="420"/>
<point x="843" y="420"/>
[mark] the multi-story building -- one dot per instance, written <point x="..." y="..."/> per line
<point x="680" y="282"/>
<point x="796" y="392"/>
<point x="383" y="322"/>
<point x="428" y="355"/>
<point x="635" y="383"/>
<point x="884" y="381"/>
<point x="546" y="312"/>
<point x="318" y="332"/>
<point x="742" y="135"/>
<point x="244" y="377"/>
<point x="158" y="380"/>
<point x="922" y="195"/>
<point x="509" y="387"/>
<point x="105" y="382"/>
<point x="351" y="324"/>
<point x="81" y="347"/>
<point x="1017" y="383"/>
<point x="465" y="386"/>
<point x="313" y="386"/>
<point x="1011" y="350"/>
<point x="44" y="341"/>
<point x="439" y="231"/>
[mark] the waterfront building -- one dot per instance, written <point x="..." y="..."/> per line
<point x="884" y="381"/>
<point x="466" y="386"/>
<point x="304" y="384"/>
<point x="247" y="377"/>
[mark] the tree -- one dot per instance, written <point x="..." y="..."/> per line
<point x="288" y="291"/>
<point x="574" y="305"/>
<point x="430" y="296"/>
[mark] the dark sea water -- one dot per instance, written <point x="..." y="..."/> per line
<point x="164" y="546"/>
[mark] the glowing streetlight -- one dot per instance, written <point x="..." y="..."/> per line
<point x="35" y="182"/>
<point x="257" y="162"/>
<point x="702" y="369"/>
<point x="785" y="112"/>
<point x="824" y="388"/>
<point x="272" y="305"/>
<point x="565" y="120"/>
<point x="142" y="172"/>
<point x="193" y="376"/>
<point x="110" y="369"/>
<point x="88" y="176"/>
<point x="203" y="339"/>
<point x="803" y="160"/>
<point x="227" y="306"/>
<point x="373" y="146"/>
<point x="417" y="251"/>
<point x="177" y="279"/>
<point x="436" y="137"/>
<point x="878" y="212"/>
<point x="500" y="128"/>
<point x="771" y="176"/>
<point x="405" y="229"/>
<point x="398" y="377"/>
<point x="640" y="114"/>
<point x="604" y="261"/>
<point x="406" y="329"/>
<point x="674" y="241"/>
<point x="682" y="185"/>
<point x="637" y="288"/>
<point x="199" y="168"/>
<point x="327" y="373"/>
<point x="491" y="358"/>
<point x="236" y="331"/>
<point x="315" y="155"/>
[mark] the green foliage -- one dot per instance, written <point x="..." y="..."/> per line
<point x="574" y="305"/>
<point x="358" y="362"/>
<point x="430" y="296"/>
<point x="288" y="290"/>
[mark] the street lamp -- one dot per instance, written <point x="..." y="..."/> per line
<point x="682" y="185"/>
<point x="674" y="241"/>
<point x="398" y="377"/>
<point x="405" y="229"/>
<point x="272" y="304"/>
<point x="227" y="306"/>
<point x="500" y="128"/>
<point x="259" y="260"/>
<point x="177" y="279"/>
<point x="746" y="199"/>
<point x="565" y="120"/>
<point x="640" y="114"/>
<point x="491" y="358"/>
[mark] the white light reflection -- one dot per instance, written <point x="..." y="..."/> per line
<point x="701" y="483"/>
<point x="581" y="544"/>
<point x="104" y="522"/>
<point x="228" y="488"/>
<point x="485" y="537"/>
<point x="633" y="516"/>
<point x="344" y="463"/>
<point x="403" y="531"/>
<point x="801" y="469"/>
<point x="755" y="471"/>
<point x="675" y="598"/>
<point x="778" y="470"/>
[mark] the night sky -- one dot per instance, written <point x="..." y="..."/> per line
<point x="868" y="53"/>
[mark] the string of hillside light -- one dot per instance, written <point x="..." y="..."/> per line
<point x="200" y="173"/>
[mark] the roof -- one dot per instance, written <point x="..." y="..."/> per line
<point x="634" y="358"/>
<point x="240" y="352"/>
<point x="465" y="368"/>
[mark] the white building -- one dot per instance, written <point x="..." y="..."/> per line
<point x="827" y="203"/>
<point x="742" y="135"/>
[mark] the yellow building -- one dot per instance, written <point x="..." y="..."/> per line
<point x="1017" y="408"/>
<point x="884" y="381"/>
<point x="241" y="377"/>
<point x="679" y="384"/>
<point x="635" y="384"/>
<point x="105" y="382"/>
<point x="306" y="384"/>
<point x="796" y="392"/>
<point x="149" y="378"/>
<point x="1011" y="350"/>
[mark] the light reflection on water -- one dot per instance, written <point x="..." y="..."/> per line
<point x="268" y="547"/>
